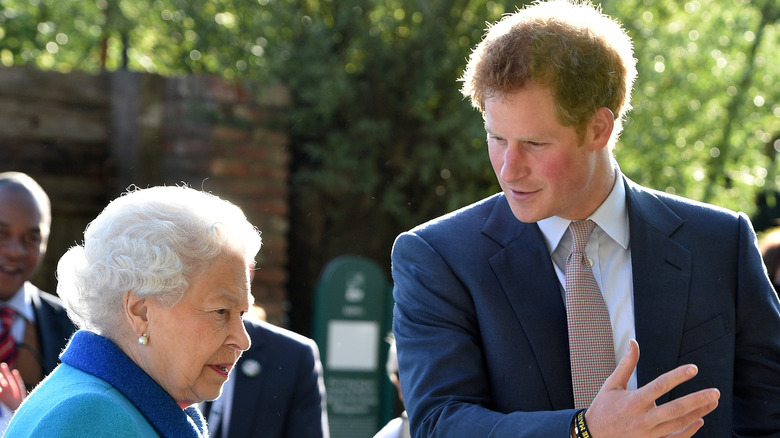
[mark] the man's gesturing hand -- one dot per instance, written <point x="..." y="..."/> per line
<point x="617" y="412"/>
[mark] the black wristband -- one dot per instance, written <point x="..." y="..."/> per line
<point x="580" y="427"/>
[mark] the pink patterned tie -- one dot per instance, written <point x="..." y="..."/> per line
<point x="7" y="343"/>
<point x="591" y="347"/>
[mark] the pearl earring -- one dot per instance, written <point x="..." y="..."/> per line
<point x="143" y="339"/>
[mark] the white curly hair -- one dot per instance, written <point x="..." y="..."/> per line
<point x="149" y="242"/>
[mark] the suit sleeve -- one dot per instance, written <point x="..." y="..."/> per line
<point x="757" y="355"/>
<point x="444" y="377"/>
<point x="308" y="414"/>
<point x="54" y="329"/>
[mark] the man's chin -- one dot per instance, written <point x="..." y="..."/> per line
<point x="525" y="215"/>
<point x="8" y="291"/>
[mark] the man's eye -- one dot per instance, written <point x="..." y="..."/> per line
<point x="33" y="238"/>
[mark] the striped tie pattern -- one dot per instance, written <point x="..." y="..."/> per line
<point x="591" y="345"/>
<point x="7" y="343"/>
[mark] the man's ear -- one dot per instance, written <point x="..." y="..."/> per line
<point x="601" y="125"/>
<point x="136" y="311"/>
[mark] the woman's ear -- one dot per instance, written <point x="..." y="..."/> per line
<point x="137" y="312"/>
<point x="602" y="123"/>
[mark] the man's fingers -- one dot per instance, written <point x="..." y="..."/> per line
<point x="619" y="378"/>
<point x="691" y="406"/>
<point x="679" y="418"/>
<point x="688" y="431"/>
<point x="21" y="390"/>
<point x="682" y="413"/>
<point x="4" y="375"/>
<point x="666" y="382"/>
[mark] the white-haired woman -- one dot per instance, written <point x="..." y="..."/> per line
<point x="158" y="290"/>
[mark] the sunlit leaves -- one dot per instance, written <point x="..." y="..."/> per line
<point x="702" y="92"/>
<point x="374" y="82"/>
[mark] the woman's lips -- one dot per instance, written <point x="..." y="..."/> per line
<point x="221" y="369"/>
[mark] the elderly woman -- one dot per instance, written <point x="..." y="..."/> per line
<point x="158" y="290"/>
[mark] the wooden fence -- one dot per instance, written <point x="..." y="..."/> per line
<point x="86" y="138"/>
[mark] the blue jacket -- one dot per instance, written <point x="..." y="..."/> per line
<point x="279" y="390"/>
<point x="98" y="391"/>
<point x="54" y="327"/>
<point x="480" y="323"/>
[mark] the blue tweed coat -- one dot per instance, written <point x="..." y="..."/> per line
<point x="97" y="391"/>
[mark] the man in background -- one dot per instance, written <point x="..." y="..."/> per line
<point x="34" y="326"/>
<point x="398" y="427"/>
<point x="769" y="244"/>
<point x="276" y="389"/>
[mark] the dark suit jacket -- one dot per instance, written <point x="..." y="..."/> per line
<point x="480" y="323"/>
<point x="286" y="399"/>
<point x="54" y="327"/>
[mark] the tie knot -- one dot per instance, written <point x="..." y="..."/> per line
<point x="7" y="312"/>
<point x="580" y="231"/>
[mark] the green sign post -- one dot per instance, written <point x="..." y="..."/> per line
<point x="352" y="318"/>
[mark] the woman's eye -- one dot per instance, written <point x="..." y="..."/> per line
<point x="221" y="311"/>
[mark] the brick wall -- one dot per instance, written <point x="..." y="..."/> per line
<point x="86" y="138"/>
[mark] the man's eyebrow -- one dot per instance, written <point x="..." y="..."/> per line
<point x="6" y="224"/>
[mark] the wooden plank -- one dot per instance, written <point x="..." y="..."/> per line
<point x="48" y="120"/>
<point x="76" y="87"/>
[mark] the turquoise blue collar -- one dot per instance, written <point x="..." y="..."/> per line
<point x="100" y="357"/>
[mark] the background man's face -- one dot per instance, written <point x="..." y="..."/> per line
<point x="23" y="237"/>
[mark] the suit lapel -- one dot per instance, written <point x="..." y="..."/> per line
<point x="46" y="332"/>
<point x="661" y="277"/>
<point x="526" y="274"/>
<point x="248" y="389"/>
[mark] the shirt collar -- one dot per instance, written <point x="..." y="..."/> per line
<point x="611" y="217"/>
<point x="21" y="302"/>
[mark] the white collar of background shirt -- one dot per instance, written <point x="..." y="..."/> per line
<point x="21" y="302"/>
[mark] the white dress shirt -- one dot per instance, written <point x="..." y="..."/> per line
<point x="608" y="248"/>
<point x="219" y="415"/>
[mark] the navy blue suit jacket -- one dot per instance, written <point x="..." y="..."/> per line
<point x="286" y="398"/>
<point x="481" y="332"/>
<point x="54" y="327"/>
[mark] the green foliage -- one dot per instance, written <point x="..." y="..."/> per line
<point x="380" y="120"/>
<point x="706" y="118"/>
<point x="377" y="109"/>
<point x="381" y="137"/>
